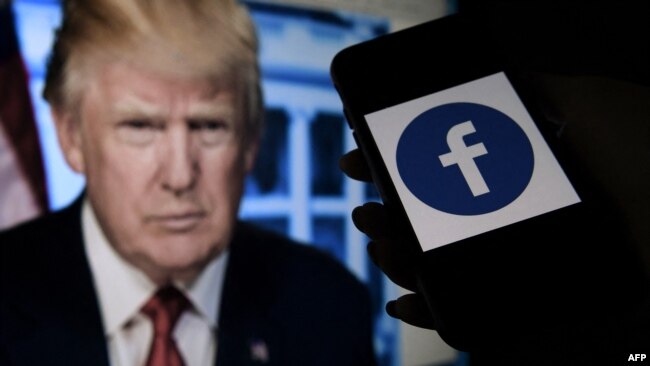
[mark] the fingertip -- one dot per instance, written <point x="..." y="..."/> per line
<point x="391" y="308"/>
<point x="355" y="215"/>
<point x="354" y="165"/>
<point x="343" y="161"/>
<point x="348" y="162"/>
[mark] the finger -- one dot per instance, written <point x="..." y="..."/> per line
<point x="387" y="249"/>
<point x="372" y="219"/>
<point x="354" y="165"/>
<point x="396" y="263"/>
<point x="411" y="309"/>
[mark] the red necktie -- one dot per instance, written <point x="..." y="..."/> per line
<point x="164" y="309"/>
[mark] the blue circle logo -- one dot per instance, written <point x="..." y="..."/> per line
<point x="465" y="158"/>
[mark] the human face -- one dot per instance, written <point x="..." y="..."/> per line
<point x="164" y="162"/>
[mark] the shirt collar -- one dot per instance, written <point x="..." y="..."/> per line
<point x="205" y="291"/>
<point x="123" y="289"/>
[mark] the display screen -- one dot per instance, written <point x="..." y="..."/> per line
<point x="468" y="160"/>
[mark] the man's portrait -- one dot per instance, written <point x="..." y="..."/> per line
<point x="158" y="105"/>
<point x="179" y="186"/>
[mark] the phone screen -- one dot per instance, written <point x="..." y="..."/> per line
<point x="468" y="160"/>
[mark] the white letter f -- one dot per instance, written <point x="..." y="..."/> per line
<point x="463" y="156"/>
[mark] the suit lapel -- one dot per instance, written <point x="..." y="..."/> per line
<point x="245" y="332"/>
<point x="64" y="325"/>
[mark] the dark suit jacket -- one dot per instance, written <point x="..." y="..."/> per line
<point x="288" y="299"/>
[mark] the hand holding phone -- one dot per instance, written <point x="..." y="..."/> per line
<point x="384" y="250"/>
<point x="490" y="221"/>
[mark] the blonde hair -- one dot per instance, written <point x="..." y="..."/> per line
<point x="213" y="39"/>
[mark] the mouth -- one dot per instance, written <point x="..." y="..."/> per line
<point x="178" y="222"/>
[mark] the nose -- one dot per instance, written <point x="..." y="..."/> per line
<point x="180" y="162"/>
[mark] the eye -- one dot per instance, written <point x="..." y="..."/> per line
<point x="207" y="125"/>
<point x="210" y="131"/>
<point x="138" y="124"/>
<point x="138" y="132"/>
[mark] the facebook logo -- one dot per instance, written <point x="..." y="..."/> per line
<point x="465" y="158"/>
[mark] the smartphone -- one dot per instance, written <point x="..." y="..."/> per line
<point x="469" y="170"/>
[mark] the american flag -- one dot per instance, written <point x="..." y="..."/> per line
<point x="23" y="193"/>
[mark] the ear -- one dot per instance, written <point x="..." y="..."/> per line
<point x="68" y="131"/>
<point x="250" y="154"/>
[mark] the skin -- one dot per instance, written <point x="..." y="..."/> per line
<point x="164" y="165"/>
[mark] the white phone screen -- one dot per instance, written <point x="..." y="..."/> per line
<point x="468" y="160"/>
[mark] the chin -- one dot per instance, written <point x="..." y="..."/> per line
<point x="165" y="269"/>
<point x="186" y="253"/>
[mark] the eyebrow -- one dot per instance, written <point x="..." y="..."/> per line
<point x="200" y="109"/>
<point x="131" y="105"/>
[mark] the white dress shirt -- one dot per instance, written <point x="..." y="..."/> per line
<point x="122" y="290"/>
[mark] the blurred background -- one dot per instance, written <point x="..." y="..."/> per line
<point x="296" y="188"/>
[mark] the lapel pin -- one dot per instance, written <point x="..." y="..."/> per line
<point x="259" y="351"/>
